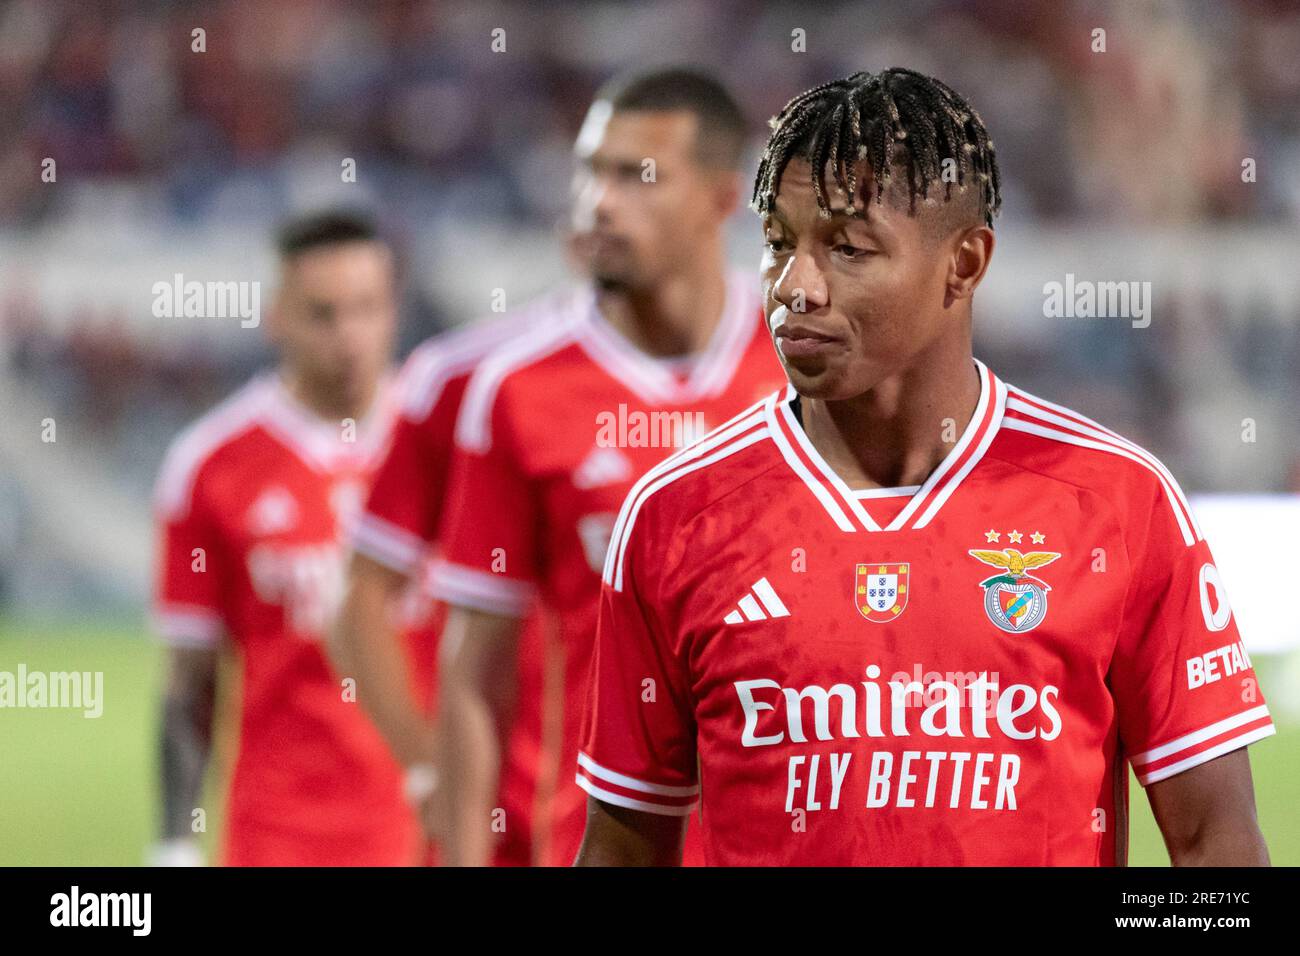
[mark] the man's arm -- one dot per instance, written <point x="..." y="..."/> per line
<point x="365" y="645"/>
<point x="186" y="741"/>
<point x="1207" y="814"/>
<point x="616" y="836"/>
<point x="477" y="674"/>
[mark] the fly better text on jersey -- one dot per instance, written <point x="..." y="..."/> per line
<point x="975" y="711"/>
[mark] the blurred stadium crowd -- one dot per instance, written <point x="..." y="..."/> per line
<point x="170" y="160"/>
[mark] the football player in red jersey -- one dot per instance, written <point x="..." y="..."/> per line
<point x="904" y="613"/>
<point x="252" y="504"/>
<point x="658" y="347"/>
<point x="394" y="543"/>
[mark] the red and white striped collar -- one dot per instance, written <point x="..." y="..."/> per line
<point x="325" y="445"/>
<point x="847" y="509"/>
<point x="653" y="380"/>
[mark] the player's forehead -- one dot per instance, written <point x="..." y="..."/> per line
<point x="608" y="131"/>
<point x="795" y="202"/>
<point x="897" y="213"/>
<point x="354" y="257"/>
<point x="339" y="271"/>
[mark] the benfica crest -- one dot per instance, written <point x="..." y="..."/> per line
<point x="880" y="591"/>
<point x="1015" y="601"/>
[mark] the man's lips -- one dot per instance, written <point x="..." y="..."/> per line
<point x="603" y="241"/>
<point x="797" y="341"/>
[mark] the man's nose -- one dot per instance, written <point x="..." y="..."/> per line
<point x="801" y="286"/>
<point x="606" y="203"/>
<point x="593" y="204"/>
<point x="354" y="334"/>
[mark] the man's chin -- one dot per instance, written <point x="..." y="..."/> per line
<point x="614" y="279"/>
<point x="613" y="272"/>
<point x="818" y="380"/>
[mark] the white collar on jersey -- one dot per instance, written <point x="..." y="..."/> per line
<point x="843" y="505"/>
<point x="652" y="379"/>
<point x="321" y="443"/>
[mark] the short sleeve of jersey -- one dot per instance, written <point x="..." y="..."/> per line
<point x="1184" y="686"/>
<point x="638" y="739"/>
<point x="187" y="609"/>
<point x="489" y="535"/>
<point x="407" y="493"/>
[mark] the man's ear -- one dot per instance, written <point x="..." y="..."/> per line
<point x="972" y="251"/>
<point x="727" y="192"/>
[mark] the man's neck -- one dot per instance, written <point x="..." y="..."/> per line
<point x="328" y="406"/>
<point x="677" y="316"/>
<point x="896" y="434"/>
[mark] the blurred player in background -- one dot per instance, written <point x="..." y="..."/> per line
<point x="252" y="502"/>
<point x="933" y="507"/>
<point x="661" y="345"/>
<point x="394" y="543"/>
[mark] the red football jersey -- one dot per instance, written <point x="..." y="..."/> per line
<point x="399" y="529"/>
<point x="950" y="674"/>
<point x="252" y="504"/>
<point x="554" y="430"/>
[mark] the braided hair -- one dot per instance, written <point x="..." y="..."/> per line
<point x="895" y="118"/>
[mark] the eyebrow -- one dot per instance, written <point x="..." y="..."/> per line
<point x="595" y="159"/>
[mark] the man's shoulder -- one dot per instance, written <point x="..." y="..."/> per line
<point x="220" y="438"/>
<point x="1055" y="441"/>
<point x="533" y="366"/>
<point x="454" y="354"/>
<point x="701" y="478"/>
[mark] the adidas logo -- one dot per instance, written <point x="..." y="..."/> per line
<point x="749" y="609"/>
<point x="603" y="466"/>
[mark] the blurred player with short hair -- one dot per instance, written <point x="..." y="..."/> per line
<point x="252" y="502"/>
<point x="901" y="612"/>
<point x="394" y="543"/>
<point x="661" y="345"/>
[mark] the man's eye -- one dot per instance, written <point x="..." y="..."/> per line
<point x="851" y="252"/>
<point x="775" y="243"/>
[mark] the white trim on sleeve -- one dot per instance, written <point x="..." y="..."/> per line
<point x="1193" y="745"/>
<point x="618" y="800"/>
<point x="480" y="590"/>
<point x="632" y="783"/>
<point x="1218" y="750"/>
<point x="187" y="625"/>
<point x="1205" y="733"/>
<point x="392" y="546"/>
